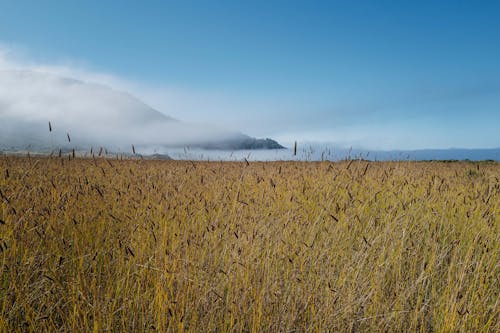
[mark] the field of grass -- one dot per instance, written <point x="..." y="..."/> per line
<point x="134" y="245"/>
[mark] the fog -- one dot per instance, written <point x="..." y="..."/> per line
<point x="84" y="105"/>
<point x="308" y="151"/>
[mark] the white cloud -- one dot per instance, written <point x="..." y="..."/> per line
<point x="256" y="115"/>
<point x="81" y="102"/>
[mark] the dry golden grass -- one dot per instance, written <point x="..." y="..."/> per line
<point x="132" y="245"/>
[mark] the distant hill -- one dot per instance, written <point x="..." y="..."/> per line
<point x="313" y="151"/>
<point x="96" y="115"/>
<point x="455" y="154"/>
<point x="310" y="151"/>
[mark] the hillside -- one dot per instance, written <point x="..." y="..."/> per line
<point x="96" y="115"/>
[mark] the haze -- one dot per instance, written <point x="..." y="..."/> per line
<point x="91" y="114"/>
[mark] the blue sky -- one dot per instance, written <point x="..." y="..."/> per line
<point x="373" y="74"/>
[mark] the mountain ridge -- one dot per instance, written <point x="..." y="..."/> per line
<point x="96" y="115"/>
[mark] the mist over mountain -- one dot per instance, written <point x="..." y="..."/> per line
<point x="97" y="115"/>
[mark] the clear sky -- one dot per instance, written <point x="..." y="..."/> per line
<point x="374" y="74"/>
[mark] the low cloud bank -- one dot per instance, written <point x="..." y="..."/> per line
<point x="92" y="113"/>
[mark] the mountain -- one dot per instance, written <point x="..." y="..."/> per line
<point x="84" y="114"/>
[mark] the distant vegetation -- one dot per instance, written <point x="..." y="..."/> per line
<point x="137" y="245"/>
<point x="244" y="143"/>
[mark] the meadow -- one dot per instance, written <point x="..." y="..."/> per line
<point x="95" y="244"/>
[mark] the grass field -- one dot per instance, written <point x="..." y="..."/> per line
<point x="134" y="245"/>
